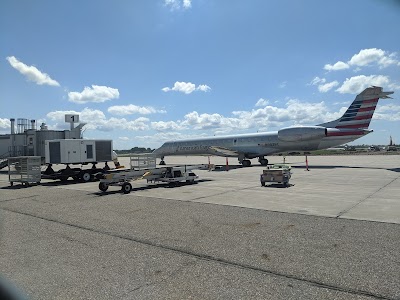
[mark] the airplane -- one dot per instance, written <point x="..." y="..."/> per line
<point x="352" y="125"/>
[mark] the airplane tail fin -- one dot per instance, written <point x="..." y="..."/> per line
<point x="360" y="112"/>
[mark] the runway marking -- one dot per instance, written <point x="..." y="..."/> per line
<point x="210" y="258"/>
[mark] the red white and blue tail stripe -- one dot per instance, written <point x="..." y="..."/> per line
<point x="357" y="117"/>
<point x="360" y="112"/>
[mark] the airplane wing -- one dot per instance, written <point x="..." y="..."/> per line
<point x="221" y="151"/>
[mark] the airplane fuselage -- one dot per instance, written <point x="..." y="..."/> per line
<point x="251" y="145"/>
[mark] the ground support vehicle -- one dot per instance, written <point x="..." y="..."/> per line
<point x="278" y="173"/>
<point x="174" y="175"/>
<point x="171" y="175"/>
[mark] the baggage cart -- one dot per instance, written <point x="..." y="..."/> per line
<point x="278" y="173"/>
<point x="24" y="169"/>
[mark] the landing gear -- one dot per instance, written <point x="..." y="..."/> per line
<point x="246" y="163"/>
<point x="162" y="162"/>
<point x="263" y="161"/>
<point x="243" y="161"/>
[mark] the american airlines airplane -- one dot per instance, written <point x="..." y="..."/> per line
<point x="351" y="126"/>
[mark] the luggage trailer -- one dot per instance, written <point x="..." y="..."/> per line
<point x="171" y="175"/>
<point x="143" y="166"/>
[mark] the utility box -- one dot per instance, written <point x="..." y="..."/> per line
<point x="77" y="151"/>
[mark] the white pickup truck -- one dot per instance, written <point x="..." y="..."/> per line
<point x="173" y="176"/>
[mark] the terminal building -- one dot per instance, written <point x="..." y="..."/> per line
<point x="25" y="139"/>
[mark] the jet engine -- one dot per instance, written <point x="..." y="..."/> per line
<point x="298" y="134"/>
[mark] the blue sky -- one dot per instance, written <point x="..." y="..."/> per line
<point x="143" y="72"/>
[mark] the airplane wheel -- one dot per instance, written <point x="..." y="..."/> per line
<point x="246" y="163"/>
<point x="162" y="163"/>
<point x="126" y="188"/>
<point x="103" y="187"/>
<point x="264" y="162"/>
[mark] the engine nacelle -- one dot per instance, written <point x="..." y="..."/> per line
<point x="298" y="134"/>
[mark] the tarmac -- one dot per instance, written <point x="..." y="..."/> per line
<point x="334" y="233"/>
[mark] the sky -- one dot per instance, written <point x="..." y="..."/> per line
<point x="144" y="72"/>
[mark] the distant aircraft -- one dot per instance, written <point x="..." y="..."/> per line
<point x="351" y="126"/>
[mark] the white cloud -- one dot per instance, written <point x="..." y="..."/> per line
<point x="296" y="111"/>
<point x="96" y="120"/>
<point x="389" y="112"/>
<point x="261" y="102"/>
<point x="317" y="80"/>
<point x="187" y="4"/>
<point x="283" y="84"/>
<point x="203" y="88"/>
<point x="186" y="87"/>
<point x="122" y="110"/>
<point x="123" y="138"/>
<point x="337" y="66"/>
<point x="178" y="4"/>
<point x="31" y="72"/>
<point x="323" y="88"/>
<point x="170" y="125"/>
<point x="366" y="57"/>
<point x="358" y="83"/>
<point x="95" y="94"/>
<point x="5" y="123"/>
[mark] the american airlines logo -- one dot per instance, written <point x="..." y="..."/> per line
<point x="191" y="148"/>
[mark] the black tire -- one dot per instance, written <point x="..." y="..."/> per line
<point x="162" y="163"/>
<point x="262" y="183"/>
<point x="126" y="188"/>
<point x="246" y="163"/>
<point x="103" y="187"/>
<point x="264" y="162"/>
<point x="86" y="176"/>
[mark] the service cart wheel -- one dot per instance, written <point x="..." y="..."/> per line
<point x="262" y="183"/>
<point x="126" y="188"/>
<point x="86" y="176"/>
<point x="103" y="187"/>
